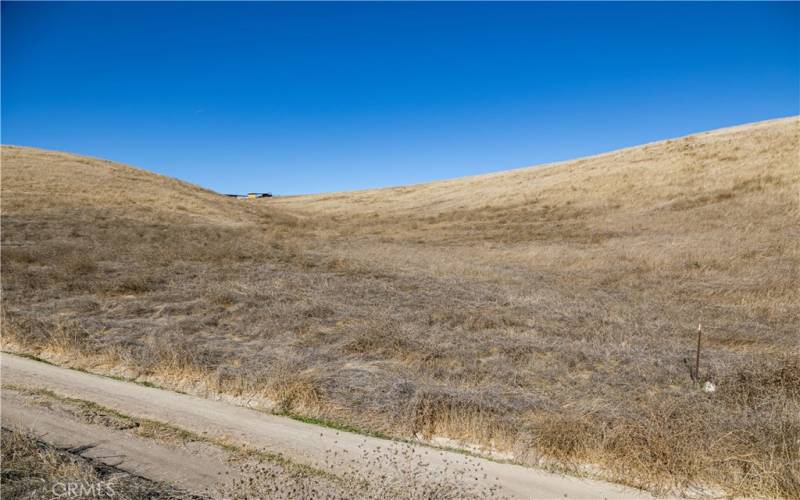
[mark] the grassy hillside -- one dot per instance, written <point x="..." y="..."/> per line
<point x="544" y="313"/>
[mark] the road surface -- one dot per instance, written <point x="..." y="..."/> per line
<point x="297" y="441"/>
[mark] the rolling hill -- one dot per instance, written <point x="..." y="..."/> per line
<point x="542" y="314"/>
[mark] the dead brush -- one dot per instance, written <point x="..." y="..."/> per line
<point x="10" y="329"/>
<point x="756" y="383"/>
<point x="78" y="265"/>
<point x="681" y="444"/>
<point x="431" y="413"/>
<point x="67" y="338"/>
<point x="168" y="358"/>
<point x="296" y="395"/>
<point x="20" y="255"/>
<point x="484" y="318"/>
<point x="133" y="284"/>
<point x="379" y="342"/>
<point x="223" y="294"/>
<point x="61" y="337"/>
<point x="29" y="465"/>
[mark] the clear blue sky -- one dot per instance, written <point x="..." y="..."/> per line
<point x="311" y="97"/>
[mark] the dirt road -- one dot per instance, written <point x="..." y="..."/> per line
<point x="201" y="467"/>
<point x="298" y="442"/>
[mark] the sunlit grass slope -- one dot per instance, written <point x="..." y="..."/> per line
<point x="544" y="313"/>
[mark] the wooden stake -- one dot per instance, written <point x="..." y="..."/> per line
<point x="697" y="360"/>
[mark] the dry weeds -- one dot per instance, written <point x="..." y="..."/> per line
<point x="543" y="312"/>
<point x="33" y="469"/>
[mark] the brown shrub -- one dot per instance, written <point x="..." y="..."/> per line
<point x="379" y="342"/>
<point x="446" y="413"/>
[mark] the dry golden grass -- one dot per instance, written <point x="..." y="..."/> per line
<point x="543" y="312"/>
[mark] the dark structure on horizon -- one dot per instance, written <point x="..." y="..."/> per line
<point x="250" y="195"/>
